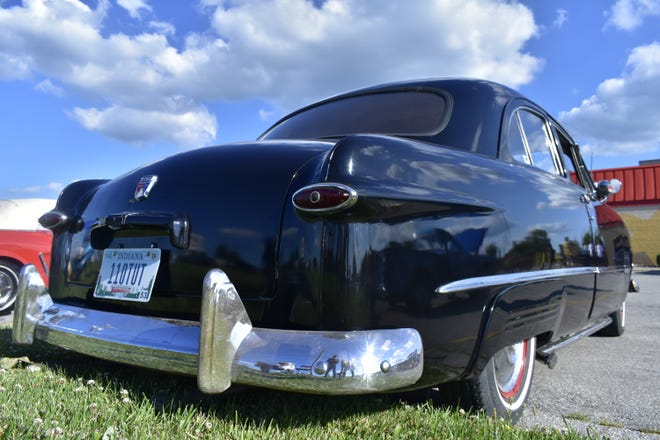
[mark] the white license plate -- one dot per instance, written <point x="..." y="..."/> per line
<point x="127" y="274"/>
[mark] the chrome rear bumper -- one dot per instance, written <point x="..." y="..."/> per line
<point x="223" y="348"/>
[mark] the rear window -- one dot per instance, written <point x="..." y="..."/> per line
<point x="404" y="113"/>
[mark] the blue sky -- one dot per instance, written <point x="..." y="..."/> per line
<point x="95" y="88"/>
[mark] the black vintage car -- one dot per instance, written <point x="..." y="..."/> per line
<point x="394" y="238"/>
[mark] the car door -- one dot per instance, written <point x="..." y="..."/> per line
<point x="561" y="213"/>
<point x="610" y="246"/>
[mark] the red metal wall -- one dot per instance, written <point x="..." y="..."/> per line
<point x="641" y="184"/>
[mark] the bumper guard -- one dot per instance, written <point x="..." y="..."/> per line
<point x="223" y="348"/>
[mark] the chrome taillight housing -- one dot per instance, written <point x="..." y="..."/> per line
<point x="54" y="220"/>
<point x="324" y="198"/>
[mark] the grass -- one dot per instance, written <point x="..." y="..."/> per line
<point x="46" y="392"/>
<point x="578" y="417"/>
<point x="608" y="423"/>
<point x="611" y="424"/>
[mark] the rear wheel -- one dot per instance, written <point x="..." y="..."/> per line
<point x="502" y="388"/>
<point x="618" y="325"/>
<point x="8" y="284"/>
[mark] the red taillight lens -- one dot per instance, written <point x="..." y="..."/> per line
<point x="53" y="220"/>
<point x="324" y="198"/>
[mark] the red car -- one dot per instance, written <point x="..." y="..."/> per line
<point x="22" y="241"/>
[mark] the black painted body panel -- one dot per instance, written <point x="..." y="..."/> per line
<point x="431" y="210"/>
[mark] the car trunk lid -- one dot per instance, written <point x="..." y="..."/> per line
<point x="206" y="208"/>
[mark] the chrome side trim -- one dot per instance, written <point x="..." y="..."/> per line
<point x="223" y="348"/>
<point x="513" y="278"/>
<point x="599" y="324"/>
<point x="44" y="265"/>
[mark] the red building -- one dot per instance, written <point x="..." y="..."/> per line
<point x="638" y="203"/>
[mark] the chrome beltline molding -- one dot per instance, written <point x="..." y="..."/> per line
<point x="224" y="348"/>
<point x="513" y="278"/>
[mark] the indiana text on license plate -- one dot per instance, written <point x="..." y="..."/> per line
<point x="128" y="274"/>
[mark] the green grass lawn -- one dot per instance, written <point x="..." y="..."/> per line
<point x="47" y="392"/>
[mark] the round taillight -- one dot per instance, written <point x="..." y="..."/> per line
<point x="53" y="220"/>
<point x="324" y="198"/>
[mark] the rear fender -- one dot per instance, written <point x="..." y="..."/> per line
<point x="71" y="202"/>
<point x="517" y="313"/>
<point x="387" y="169"/>
<point x="74" y="197"/>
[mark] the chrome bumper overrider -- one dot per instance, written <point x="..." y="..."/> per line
<point x="223" y="348"/>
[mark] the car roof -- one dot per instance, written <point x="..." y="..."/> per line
<point x="436" y="83"/>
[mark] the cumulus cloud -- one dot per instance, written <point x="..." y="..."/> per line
<point x="265" y="115"/>
<point x="46" y="86"/>
<point x="623" y="116"/>
<point x="162" y="27"/>
<point x="133" y="7"/>
<point x="52" y="188"/>
<point x="13" y="67"/>
<point x="286" y="53"/>
<point x="627" y="15"/>
<point x="189" y="129"/>
<point x="344" y="44"/>
<point x="562" y="16"/>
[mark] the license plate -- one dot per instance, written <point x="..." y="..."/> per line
<point x="127" y="274"/>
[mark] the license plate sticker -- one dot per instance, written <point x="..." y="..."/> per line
<point x="127" y="274"/>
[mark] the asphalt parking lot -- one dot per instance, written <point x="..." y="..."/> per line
<point x="607" y="386"/>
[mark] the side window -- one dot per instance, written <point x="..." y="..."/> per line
<point x="565" y="146"/>
<point x="530" y="142"/>
<point x="538" y="141"/>
<point x="516" y="142"/>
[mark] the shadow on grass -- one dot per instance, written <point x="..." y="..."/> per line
<point x="169" y="393"/>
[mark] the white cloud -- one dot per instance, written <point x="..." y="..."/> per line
<point x="133" y="7"/>
<point x="344" y="44"/>
<point x="51" y="188"/>
<point x="287" y="52"/>
<point x="623" y="116"/>
<point x="629" y="14"/>
<point x="265" y="115"/>
<point x="190" y="128"/>
<point x="46" y="86"/>
<point x="562" y="16"/>
<point x="162" y="27"/>
<point x="13" y="67"/>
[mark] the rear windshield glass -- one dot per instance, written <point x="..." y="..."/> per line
<point x="409" y="113"/>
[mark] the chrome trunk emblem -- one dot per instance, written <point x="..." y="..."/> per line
<point x="144" y="187"/>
